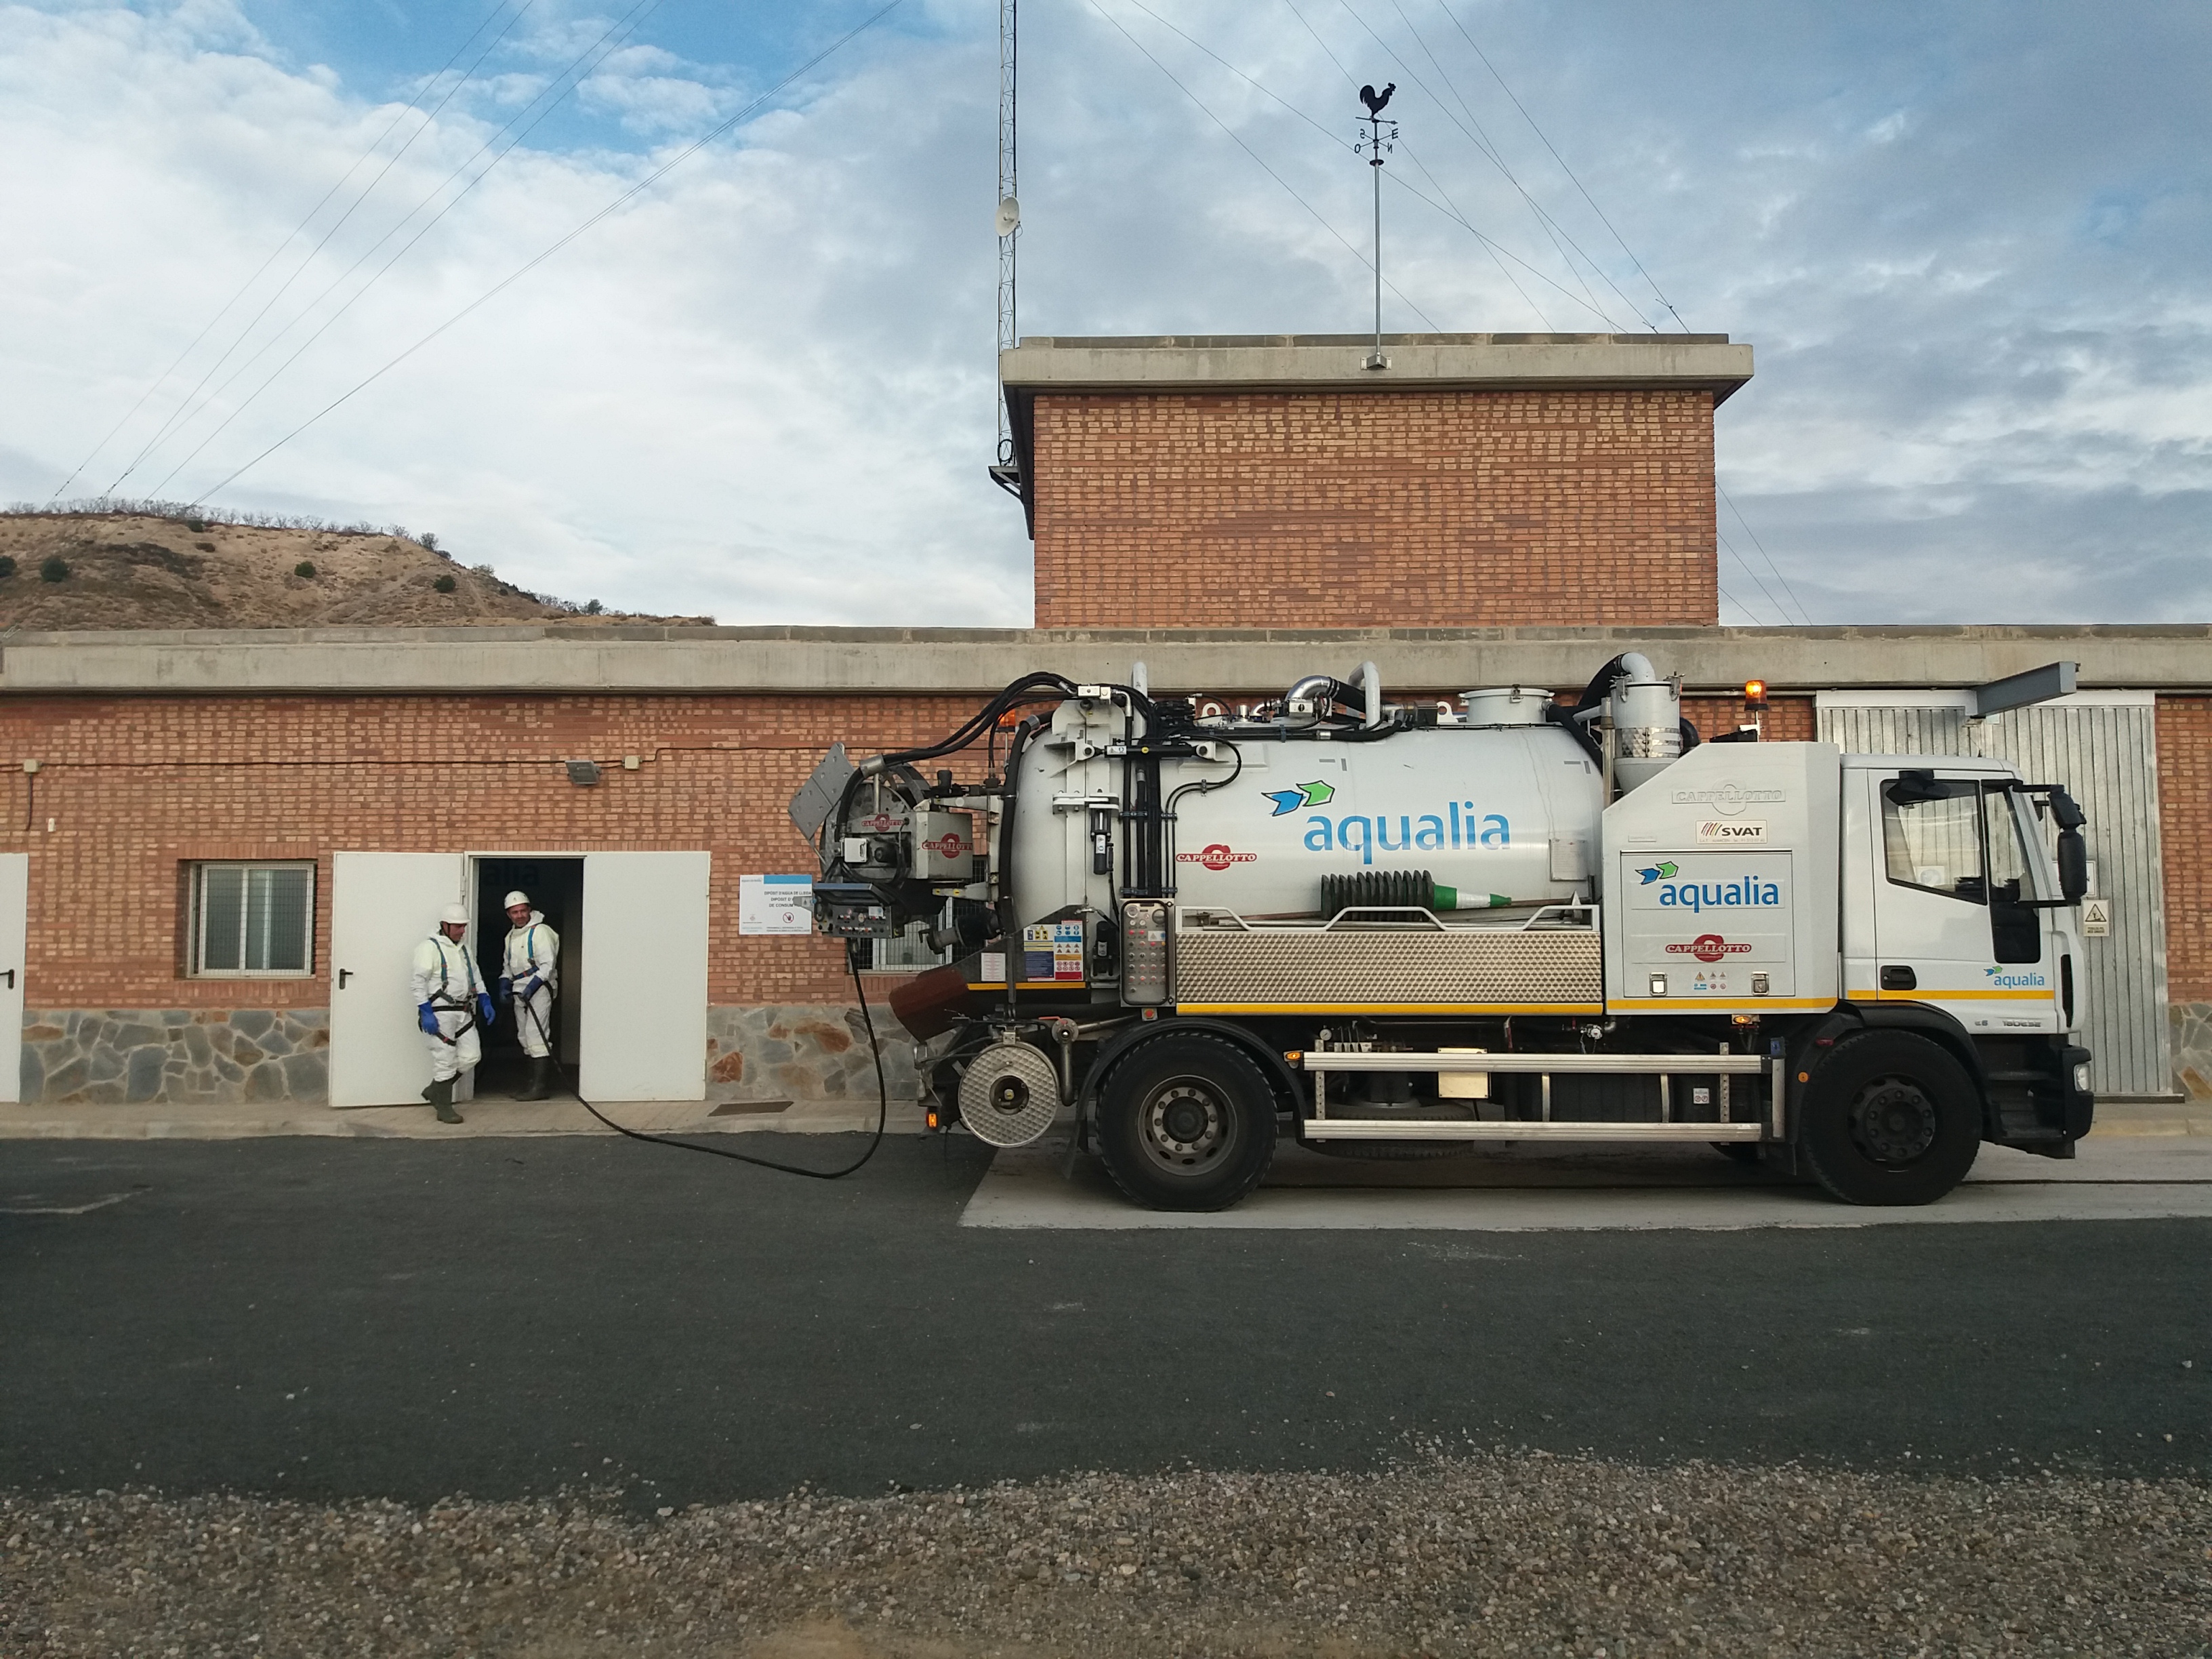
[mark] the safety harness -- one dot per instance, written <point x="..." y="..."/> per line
<point x="442" y="998"/>
<point x="530" y="954"/>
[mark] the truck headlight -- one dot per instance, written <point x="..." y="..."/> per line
<point x="2081" y="1077"/>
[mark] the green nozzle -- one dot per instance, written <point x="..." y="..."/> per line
<point x="1450" y="898"/>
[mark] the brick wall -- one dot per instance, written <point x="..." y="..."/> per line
<point x="1379" y="508"/>
<point x="137" y="787"/>
<point x="2184" y="791"/>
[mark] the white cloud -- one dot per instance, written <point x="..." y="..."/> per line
<point x="1971" y="245"/>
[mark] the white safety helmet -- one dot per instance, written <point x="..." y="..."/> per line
<point x="516" y="898"/>
<point x="451" y="913"/>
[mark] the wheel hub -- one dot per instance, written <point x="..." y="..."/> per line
<point x="1185" y="1125"/>
<point x="1893" y="1122"/>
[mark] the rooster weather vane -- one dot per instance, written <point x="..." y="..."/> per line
<point x="1379" y="138"/>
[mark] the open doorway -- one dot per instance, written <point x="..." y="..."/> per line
<point x="555" y="887"/>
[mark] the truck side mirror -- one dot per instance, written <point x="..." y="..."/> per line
<point x="2067" y="811"/>
<point x="2073" y="865"/>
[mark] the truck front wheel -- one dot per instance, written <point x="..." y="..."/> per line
<point x="1187" y="1122"/>
<point x="1890" y="1118"/>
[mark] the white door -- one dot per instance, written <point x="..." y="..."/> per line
<point x="644" y="957"/>
<point x="15" y="907"/>
<point x="382" y="906"/>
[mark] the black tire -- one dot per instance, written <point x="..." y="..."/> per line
<point x="1890" y="1118"/>
<point x="1187" y="1122"/>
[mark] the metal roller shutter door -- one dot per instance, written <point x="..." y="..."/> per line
<point x="2104" y="748"/>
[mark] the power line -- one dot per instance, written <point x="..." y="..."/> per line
<point x="1254" y="154"/>
<point x="179" y="416"/>
<point x="612" y="207"/>
<point x="628" y="24"/>
<point x="1448" y="208"/>
<point x="1484" y="147"/>
<point x="1781" y="614"/>
<point x="1544" y="223"/>
<point x="246" y="286"/>
<point x="1562" y="160"/>
<point x="1763" y="554"/>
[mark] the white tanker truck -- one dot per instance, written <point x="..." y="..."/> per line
<point x="1404" y="931"/>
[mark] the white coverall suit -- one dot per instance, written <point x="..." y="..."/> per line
<point x="532" y="962"/>
<point x="446" y="977"/>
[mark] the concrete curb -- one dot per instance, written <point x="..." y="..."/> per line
<point x="481" y="1118"/>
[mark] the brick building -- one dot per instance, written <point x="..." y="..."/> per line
<point x="220" y="845"/>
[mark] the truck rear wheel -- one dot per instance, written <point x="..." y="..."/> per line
<point x="1890" y="1118"/>
<point x="1187" y="1122"/>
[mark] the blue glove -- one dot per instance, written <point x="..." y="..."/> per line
<point x="485" y="1012"/>
<point x="505" y="988"/>
<point x="427" y="1018"/>
<point x="528" y="988"/>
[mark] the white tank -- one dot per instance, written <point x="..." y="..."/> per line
<point x="1480" y="808"/>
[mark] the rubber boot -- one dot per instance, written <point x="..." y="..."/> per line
<point x="541" y="1080"/>
<point x="441" y="1099"/>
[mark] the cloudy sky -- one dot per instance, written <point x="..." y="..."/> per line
<point x="1970" y="243"/>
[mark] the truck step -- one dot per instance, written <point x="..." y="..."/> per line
<point x="1350" y="1128"/>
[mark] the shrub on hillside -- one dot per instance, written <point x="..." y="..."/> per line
<point x="429" y="541"/>
<point x="305" y="568"/>
<point x="55" y="569"/>
<point x="445" y="583"/>
<point x="7" y="567"/>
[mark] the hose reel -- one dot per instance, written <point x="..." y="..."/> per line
<point x="1010" y="1094"/>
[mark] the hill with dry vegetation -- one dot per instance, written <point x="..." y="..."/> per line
<point x="131" y="569"/>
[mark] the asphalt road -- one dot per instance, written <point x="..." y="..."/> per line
<point x="332" y="1318"/>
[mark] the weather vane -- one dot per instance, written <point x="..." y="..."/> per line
<point x="1378" y="138"/>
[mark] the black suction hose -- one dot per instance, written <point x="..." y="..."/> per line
<point x="882" y="1106"/>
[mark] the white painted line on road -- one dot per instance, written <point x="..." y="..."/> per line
<point x="65" y="1209"/>
<point x="2138" y="1179"/>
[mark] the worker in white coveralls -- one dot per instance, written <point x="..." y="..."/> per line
<point x="529" y="975"/>
<point x="451" y="1004"/>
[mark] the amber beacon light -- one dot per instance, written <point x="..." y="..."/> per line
<point x="1754" y="694"/>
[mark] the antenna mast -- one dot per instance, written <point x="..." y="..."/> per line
<point x="1380" y="136"/>
<point x="1007" y="471"/>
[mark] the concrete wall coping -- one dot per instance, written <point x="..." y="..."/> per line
<point x="555" y="659"/>
<point x="1336" y="362"/>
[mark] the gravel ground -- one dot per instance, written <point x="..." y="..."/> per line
<point x="1522" y="1554"/>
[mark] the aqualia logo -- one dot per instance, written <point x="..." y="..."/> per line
<point x="1746" y="892"/>
<point x="1367" y="837"/>
<point x="2016" y="981"/>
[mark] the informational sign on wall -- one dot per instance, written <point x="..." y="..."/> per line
<point x="776" y="904"/>
<point x="2096" y="918"/>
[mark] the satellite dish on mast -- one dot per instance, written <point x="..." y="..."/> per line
<point x="1009" y="217"/>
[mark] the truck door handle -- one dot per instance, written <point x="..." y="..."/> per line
<point x="1900" y="979"/>
<point x="344" y="974"/>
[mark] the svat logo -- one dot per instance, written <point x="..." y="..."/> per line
<point x="1316" y="794"/>
<point x="1219" y="856"/>
<point x="948" y="845"/>
<point x="1709" y="947"/>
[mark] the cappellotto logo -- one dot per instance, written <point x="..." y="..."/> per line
<point x="1219" y="856"/>
<point x="1729" y="797"/>
<point x="1709" y="947"/>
